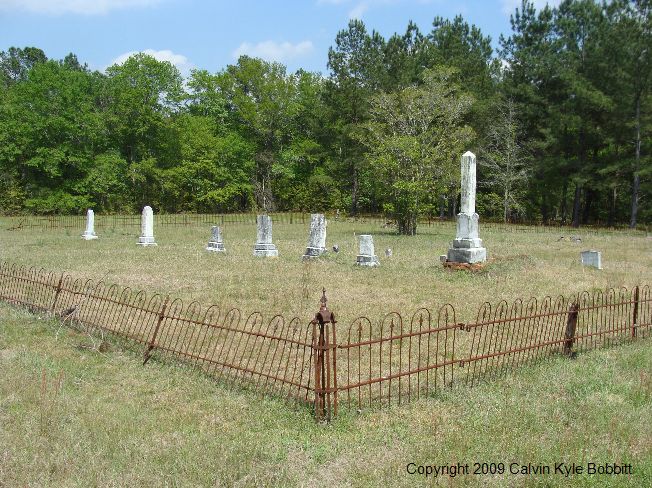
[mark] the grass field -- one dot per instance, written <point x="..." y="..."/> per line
<point x="72" y="416"/>
<point x="102" y="419"/>
<point x="520" y="265"/>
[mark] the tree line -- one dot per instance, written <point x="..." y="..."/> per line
<point x="559" y="117"/>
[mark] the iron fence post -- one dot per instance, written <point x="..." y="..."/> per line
<point x="325" y="362"/>
<point x="635" y="315"/>
<point x="57" y="292"/>
<point x="318" y="353"/>
<point x="334" y="348"/>
<point x="571" y="324"/>
<point x="152" y="342"/>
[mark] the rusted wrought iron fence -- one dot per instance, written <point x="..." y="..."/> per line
<point x="395" y="361"/>
<point x="391" y="361"/>
<point x="271" y="355"/>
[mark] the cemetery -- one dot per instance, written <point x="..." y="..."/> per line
<point x="409" y="299"/>
<point x="244" y="257"/>
<point x="519" y="265"/>
<point x="182" y="266"/>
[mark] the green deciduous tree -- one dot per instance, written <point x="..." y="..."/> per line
<point x="214" y="172"/>
<point x="15" y="64"/>
<point x="142" y="94"/>
<point x="261" y="98"/>
<point x="414" y="140"/>
<point x="51" y="130"/>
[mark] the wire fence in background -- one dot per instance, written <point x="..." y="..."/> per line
<point x="78" y="222"/>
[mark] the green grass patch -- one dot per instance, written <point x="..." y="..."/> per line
<point x="102" y="419"/>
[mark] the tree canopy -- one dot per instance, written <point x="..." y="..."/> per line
<point x="559" y="117"/>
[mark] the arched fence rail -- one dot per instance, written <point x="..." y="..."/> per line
<point x="393" y="360"/>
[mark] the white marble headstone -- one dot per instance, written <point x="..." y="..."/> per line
<point x="317" y="237"/>
<point x="215" y="244"/>
<point x="89" y="233"/>
<point x="591" y="258"/>
<point x="264" y="246"/>
<point x="147" y="228"/>
<point x="467" y="246"/>
<point x="367" y="254"/>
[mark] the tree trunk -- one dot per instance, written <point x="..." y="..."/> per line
<point x="564" y="209"/>
<point x="407" y="224"/>
<point x="505" y="206"/>
<point x="636" y="184"/>
<point x="354" y="193"/>
<point x="544" y="207"/>
<point x="612" y="209"/>
<point x="442" y="207"/>
<point x="588" y="200"/>
<point x="576" y="206"/>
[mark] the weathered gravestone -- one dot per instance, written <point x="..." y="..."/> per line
<point x="367" y="255"/>
<point x="264" y="246"/>
<point x="317" y="237"/>
<point x="147" y="228"/>
<point x="467" y="246"/>
<point x="216" y="244"/>
<point x="89" y="233"/>
<point x="591" y="258"/>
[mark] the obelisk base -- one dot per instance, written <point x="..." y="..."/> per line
<point x="469" y="255"/>
<point x="467" y="246"/>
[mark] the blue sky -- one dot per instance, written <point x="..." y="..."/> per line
<point x="211" y="34"/>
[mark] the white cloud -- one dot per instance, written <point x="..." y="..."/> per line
<point x="357" y="11"/>
<point x="509" y="6"/>
<point x="274" y="51"/>
<point x="85" y="7"/>
<point x="362" y="6"/>
<point x="178" y="60"/>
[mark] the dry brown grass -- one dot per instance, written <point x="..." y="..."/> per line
<point x="115" y="423"/>
<point x="520" y="265"/>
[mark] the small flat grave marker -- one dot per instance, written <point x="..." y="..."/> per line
<point x="591" y="258"/>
